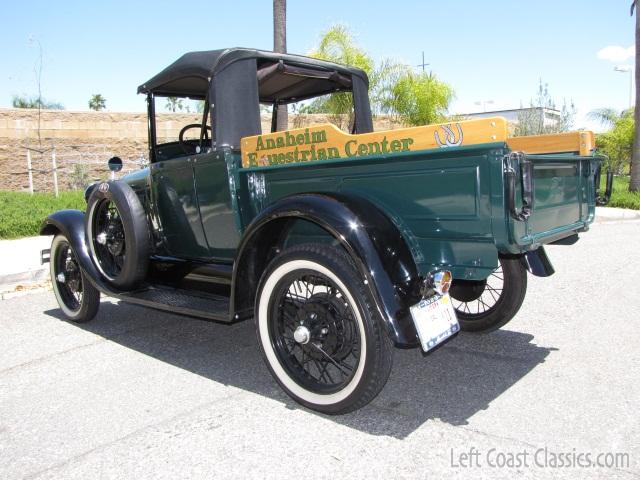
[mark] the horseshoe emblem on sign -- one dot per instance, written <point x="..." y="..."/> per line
<point x="451" y="138"/>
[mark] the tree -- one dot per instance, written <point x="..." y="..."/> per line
<point x="617" y="142"/>
<point x="97" y="102"/>
<point x="174" y="104"/>
<point x="337" y="45"/>
<point x="413" y="99"/>
<point x="79" y="178"/>
<point x="634" y="183"/>
<point x="23" y="101"/>
<point x="531" y="120"/>
<point x="418" y="99"/>
<point x="280" y="46"/>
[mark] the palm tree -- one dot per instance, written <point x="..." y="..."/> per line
<point x="606" y="116"/>
<point x="97" y="102"/>
<point x="634" y="184"/>
<point x="174" y="104"/>
<point x="280" y="46"/>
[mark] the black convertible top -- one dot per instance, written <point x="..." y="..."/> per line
<point x="236" y="80"/>
<point x="282" y="77"/>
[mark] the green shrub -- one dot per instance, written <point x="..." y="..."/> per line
<point x="21" y="214"/>
<point x="621" y="197"/>
<point x="80" y="177"/>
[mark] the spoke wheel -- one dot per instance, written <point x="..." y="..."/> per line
<point x="77" y="297"/>
<point x="118" y="234"/>
<point x="319" y="331"/>
<point x="68" y="277"/>
<point x="476" y="298"/>
<point x="483" y="306"/>
<point x="314" y="331"/>
<point x="108" y="242"/>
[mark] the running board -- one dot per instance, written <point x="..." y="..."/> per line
<point x="183" y="302"/>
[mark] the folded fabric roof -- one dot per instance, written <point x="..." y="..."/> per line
<point x="281" y="77"/>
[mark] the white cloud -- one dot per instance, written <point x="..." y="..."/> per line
<point x="616" y="53"/>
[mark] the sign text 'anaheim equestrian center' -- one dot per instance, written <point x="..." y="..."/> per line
<point x="326" y="142"/>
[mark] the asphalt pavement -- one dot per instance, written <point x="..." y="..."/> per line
<point x="143" y="394"/>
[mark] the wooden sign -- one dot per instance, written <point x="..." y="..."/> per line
<point x="582" y="142"/>
<point x="327" y="142"/>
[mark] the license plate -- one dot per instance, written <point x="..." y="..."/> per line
<point x="435" y="320"/>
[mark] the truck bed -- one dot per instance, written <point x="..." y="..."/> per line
<point x="452" y="204"/>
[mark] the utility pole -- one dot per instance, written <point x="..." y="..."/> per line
<point x="422" y="64"/>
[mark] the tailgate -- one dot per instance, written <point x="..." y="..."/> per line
<point x="549" y="196"/>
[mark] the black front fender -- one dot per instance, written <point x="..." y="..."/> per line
<point x="70" y="223"/>
<point x="361" y="228"/>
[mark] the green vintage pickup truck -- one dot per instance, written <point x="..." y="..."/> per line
<point x="341" y="245"/>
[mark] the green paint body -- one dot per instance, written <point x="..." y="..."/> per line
<point x="449" y="203"/>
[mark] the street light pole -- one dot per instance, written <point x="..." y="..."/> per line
<point x="484" y="104"/>
<point x="627" y="69"/>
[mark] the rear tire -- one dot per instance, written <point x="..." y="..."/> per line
<point x="319" y="332"/>
<point x="78" y="299"/>
<point x="487" y="305"/>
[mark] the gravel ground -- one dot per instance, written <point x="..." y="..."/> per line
<point x="143" y="394"/>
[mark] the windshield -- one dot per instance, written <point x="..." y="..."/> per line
<point x="179" y="128"/>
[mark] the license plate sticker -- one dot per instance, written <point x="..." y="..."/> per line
<point x="435" y="320"/>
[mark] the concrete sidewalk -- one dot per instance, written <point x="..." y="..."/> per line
<point x="20" y="263"/>
<point x="20" y="259"/>
<point x="608" y="214"/>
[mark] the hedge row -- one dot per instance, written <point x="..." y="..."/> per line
<point x="22" y="214"/>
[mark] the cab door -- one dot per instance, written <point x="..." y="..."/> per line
<point x="176" y="202"/>
<point x="216" y="210"/>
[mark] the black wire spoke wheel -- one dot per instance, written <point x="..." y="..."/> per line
<point x="78" y="299"/>
<point x="319" y="331"/>
<point x="68" y="277"/>
<point x="481" y="296"/>
<point x="314" y="332"/>
<point x="108" y="238"/>
<point x="118" y="234"/>
<point x="485" y="305"/>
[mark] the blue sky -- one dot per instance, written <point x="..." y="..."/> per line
<point x="490" y="50"/>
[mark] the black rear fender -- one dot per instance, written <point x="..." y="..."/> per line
<point x="367" y="234"/>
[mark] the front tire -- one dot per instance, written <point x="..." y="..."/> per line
<point x="320" y="334"/>
<point x="484" y="306"/>
<point x="78" y="299"/>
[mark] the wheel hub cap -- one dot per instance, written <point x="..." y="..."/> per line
<point x="302" y="334"/>
<point x="101" y="238"/>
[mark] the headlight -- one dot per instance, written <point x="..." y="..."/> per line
<point x="89" y="190"/>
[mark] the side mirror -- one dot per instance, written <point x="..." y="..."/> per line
<point x="115" y="164"/>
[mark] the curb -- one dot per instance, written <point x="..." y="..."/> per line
<point x="22" y="290"/>
<point x="30" y="276"/>
<point x="20" y="267"/>
<point x="616" y="215"/>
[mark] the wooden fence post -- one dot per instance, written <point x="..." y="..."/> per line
<point x="30" y="171"/>
<point x="55" y="170"/>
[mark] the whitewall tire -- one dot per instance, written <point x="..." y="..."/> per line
<point x="320" y="336"/>
<point x="78" y="299"/>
